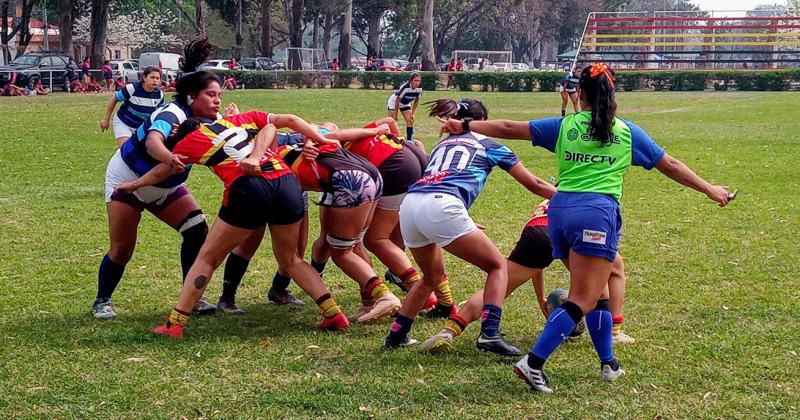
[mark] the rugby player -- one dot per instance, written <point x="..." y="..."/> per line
<point x="406" y="99"/>
<point x="139" y="100"/>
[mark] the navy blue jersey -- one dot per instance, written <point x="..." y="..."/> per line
<point x="288" y="139"/>
<point x="406" y="95"/>
<point x="460" y="163"/>
<point x="164" y="120"/>
<point x="571" y="81"/>
<point x="137" y="103"/>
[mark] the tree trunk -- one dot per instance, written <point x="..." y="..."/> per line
<point x="99" y="27"/>
<point x="426" y="35"/>
<point x="345" y="36"/>
<point x="412" y="55"/>
<point x="66" y="20"/>
<point x="266" y="28"/>
<point x="4" y="35"/>
<point x="374" y="31"/>
<point x="239" y="38"/>
<point x="296" y="34"/>
<point x="198" y="13"/>
<point x="315" y="31"/>
<point x="25" y="32"/>
<point x="327" y="33"/>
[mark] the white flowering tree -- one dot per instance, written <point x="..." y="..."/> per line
<point x="138" y="29"/>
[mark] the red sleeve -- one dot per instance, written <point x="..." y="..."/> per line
<point x="193" y="146"/>
<point x="260" y="118"/>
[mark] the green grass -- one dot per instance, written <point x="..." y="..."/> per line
<point x="713" y="294"/>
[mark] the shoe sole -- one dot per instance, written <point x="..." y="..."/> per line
<point x="439" y="346"/>
<point x="391" y="311"/>
<point x="524" y="379"/>
<point x="500" y="354"/>
<point x="104" y="316"/>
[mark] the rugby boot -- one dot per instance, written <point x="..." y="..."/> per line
<point x="283" y="297"/>
<point x="334" y="323"/>
<point x="622" y="338"/>
<point x="407" y="342"/>
<point x="438" y="312"/>
<point x="172" y="331"/>
<point x="395" y="280"/>
<point x="609" y="374"/>
<point x="441" y="342"/>
<point x="204" y="307"/>
<point x="386" y="305"/>
<point x="535" y="378"/>
<point x="103" y="309"/>
<point x="365" y="308"/>
<point x="497" y="345"/>
<point x="230" y="307"/>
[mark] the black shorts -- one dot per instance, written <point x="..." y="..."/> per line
<point x="402" y="169"/>
<point x="254" y="201"/>
<point x="533" y="249"/>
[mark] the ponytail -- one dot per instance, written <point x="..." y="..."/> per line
<point x="597" y="84"/>
<point x="191" y="82"/>
<point x="463" y="108"/>
<point x="195" y="53"/>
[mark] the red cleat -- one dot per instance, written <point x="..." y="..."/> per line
<point x="334" y="323"/>
<point x="431" y="302"/>
<point x="173" y="331"/>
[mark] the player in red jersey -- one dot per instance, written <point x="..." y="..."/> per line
<point x="260" y="189"/>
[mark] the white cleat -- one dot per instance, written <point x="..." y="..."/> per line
<point x="103" y="310"/>
<point x="536" y="379"/>
<point x="622" y="338"/>
<point x="609" y="375"/>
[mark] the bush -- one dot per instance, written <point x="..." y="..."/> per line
<point x="542" y="81"/>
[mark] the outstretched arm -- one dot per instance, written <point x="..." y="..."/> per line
<point x="504" y="129"/>
<point x="264" y="139"/>
<point x="353" y="134"/>
<point x="532" y="182"/>
<point x="299" y="125"/>
<point x="159" y="173"/>
<point x="680" y="173"/>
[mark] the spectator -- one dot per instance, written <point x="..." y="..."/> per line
<point x="232" y="64"/>
<point x="40" y="90"/>
<point x="119" y="83"/>
<point x="451" y="67"/>
<point x="229" y="83"/>
<point x="378" y="64"/>
<point x="170" y="85"/>
<point x="11" y="88"/>
<point x="370" y="65"/>
<point x="335" y="64"/>
<point x="108" y="76"/>
<point x="85" y="66"/>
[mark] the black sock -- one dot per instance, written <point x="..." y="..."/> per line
<point x="108" y="278"/>
<point x="235" y="267"/>
<point x="280" y="282"/>
<point x="409" y="133"/>
<point x="193" y="239"/>
<point x="563" y="112"/>
<point x="319" y="266"/>
<point x="613" y="363"/>
<point x="535" y="361"/>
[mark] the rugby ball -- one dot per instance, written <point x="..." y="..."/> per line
<point x="555" y="299"/>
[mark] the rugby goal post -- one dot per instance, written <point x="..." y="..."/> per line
<point x="308" y="59"/>
<point x="482" y="60"/>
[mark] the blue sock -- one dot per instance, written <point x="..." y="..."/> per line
<point x="108" y="278"/>
<point x="400" y="328"/>
<point x="559" y="325"/>
<point x="409" y="133"/>
<point x="600" y="324"/>
<point x="490" y="326"/>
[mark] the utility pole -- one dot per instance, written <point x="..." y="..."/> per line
<point x="46" y="35"/>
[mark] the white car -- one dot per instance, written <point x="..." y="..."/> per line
<point x="168" y="62"/>
<point x="127" y="69"/>
<point x="510" y="67"/>
<point x="216" y="65"/>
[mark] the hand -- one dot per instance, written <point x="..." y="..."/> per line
<point x="719" y="194"/>
<point x="176" y="164"/>
<point x="250" y="165"/>
<point x="310" y="151"/>
<point x="103" y="126"/>
<point x="231" y="110"/>
<point x="382" y="129"/>
<point x="543" y="307"/>
<point x="449" y="125"/>
<point x="126" y="187"/>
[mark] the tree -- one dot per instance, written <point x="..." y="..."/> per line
<point x="138" y="29"/>
<point x="426" y="35"/>
<point x="66" y="20"/>
<point x="295" y="33"/>
<point x="21" y="28"/>
<point x="266" y="28"/>
<point x="345" y="31"/>
<point x="196" y="21"/>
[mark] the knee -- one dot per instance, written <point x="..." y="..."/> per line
<point x="287" y="260"/>
<point x="121" y="252"/>
<point x="497" y="264"/>
<point x="194" y="227"/>
<point x="410" y="121"/>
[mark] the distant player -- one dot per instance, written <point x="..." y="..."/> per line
<point x="139" y="100"/>
<point x="569" y="90"/>
<point x="406" y="100"/>
<point x="435" y="215"/>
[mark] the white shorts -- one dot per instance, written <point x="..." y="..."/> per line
<point x="121" y="129"/>
<point x="391" y="202"/>
<point x="118" y="172"/>
<point x="392" y="103"/>
<point x="433" y="218"/>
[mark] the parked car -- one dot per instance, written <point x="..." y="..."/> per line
<point x="217" y="65"/>
<point x="128" y="69"/>
<point x="260" y="63"/>
<point x="32" y="67"/>
<point x="505" y="66"/>
<point x="168" y="62"/>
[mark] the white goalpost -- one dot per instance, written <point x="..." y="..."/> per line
<point x="482" y="60"/>
<point x="307" y="59"/>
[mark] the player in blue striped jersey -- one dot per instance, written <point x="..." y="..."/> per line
<point x="434" y="215"/>
<point x="197" y="95"/>
<point x="139" y="100"/>
<point x="406" y="100"/>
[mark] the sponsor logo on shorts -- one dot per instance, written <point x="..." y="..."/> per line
<point x="594" y="237"/>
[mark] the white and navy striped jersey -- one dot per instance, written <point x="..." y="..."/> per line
<point x="406" y="95"/>
<point x="137" y="103"/>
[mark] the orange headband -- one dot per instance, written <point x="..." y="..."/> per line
<point x="601" y="68"/>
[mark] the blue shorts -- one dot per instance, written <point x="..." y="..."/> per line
<point x="589" y="224"/>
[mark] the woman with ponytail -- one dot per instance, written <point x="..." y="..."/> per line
<point x="593" y="150"/>
<point x="434" y="215"/>
<point x="198" y="95"/>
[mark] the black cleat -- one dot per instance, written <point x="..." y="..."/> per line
<point x="497" y="345"/>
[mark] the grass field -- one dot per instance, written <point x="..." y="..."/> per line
<point x="713" y="294"/>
